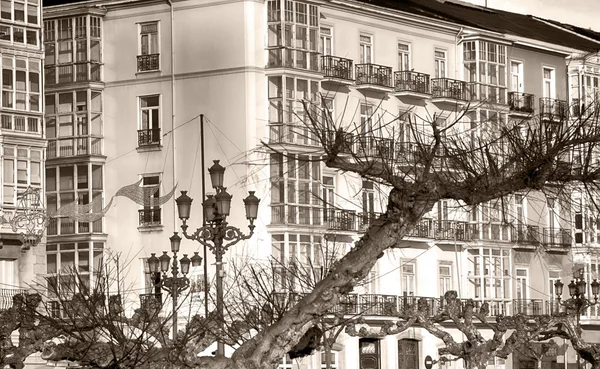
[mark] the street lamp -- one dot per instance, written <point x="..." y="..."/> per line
<point x="578" y="301"/>
<point x="217" y="234"/>
<point x="175" y="284"/>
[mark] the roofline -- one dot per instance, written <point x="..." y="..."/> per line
<point x="568" y="30"/>
<point x="389" y="11"/>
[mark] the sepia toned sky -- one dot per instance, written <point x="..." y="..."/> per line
<point x="583" y="13"/>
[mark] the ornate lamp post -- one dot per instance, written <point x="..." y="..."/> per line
<point x="174" y="284"/>
<point x="217" y="234"/>
<point x="578" y="301"/>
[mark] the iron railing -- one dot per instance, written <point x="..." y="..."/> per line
<point x="521" y="102"/>
<point x="149" y="217"/>
<point x="449" y="88"/>
<point x="148" y="137"/>
<point x="373" y="74"/>
<point x="557" y="238"/>
<point x="148" y="62"/>
<point x="7" y="295"/>
<point x="406" y="80"/>
<point x="553" y="109"/>
<point x="336" y="67"/>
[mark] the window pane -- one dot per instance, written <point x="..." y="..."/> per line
<point x="66" y="178"/>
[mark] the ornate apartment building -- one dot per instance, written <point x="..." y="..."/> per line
<point x="126" y="86"/>
<point x="22" y="141"/>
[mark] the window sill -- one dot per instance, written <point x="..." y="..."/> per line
<point x="151" y="228"/>
<point x="149" y="148"/>
<point x="148" y="72"/>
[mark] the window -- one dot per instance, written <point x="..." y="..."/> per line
<point x="368" y="202"/>
<point x="549" y="86"/>
<point x="149" y="56"/>
<point x="408" y="278"/>
<point x="489" y="277"/>
<point x="150" y="215"/>
<point x="440" y="63"/>
<point x="366" y="120"/>
<point x="67" y="183"/>
<point x="522" y="284"/>
<point x="365" y="49"/>
<point x="151" y="281"/>
<point x="73" y="125"/>
<point x="301" y="252"/>
<point x="328" y="199"/>
<point x="293" y="42"/>
<point x="333" y="360"/>
<point x="326" y="41"/>
<point x="149" y="132"/>
<point x="296" y="189"/>
<point x="369" y="354"/>
<point x="22" y="168"/>
<point x="445" y="278"/>
<point x="286" y="362"/>
<point x="403" y="56"/>
<point x="74" y="267"/>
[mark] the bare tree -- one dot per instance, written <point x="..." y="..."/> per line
<point x="443" y="161"/>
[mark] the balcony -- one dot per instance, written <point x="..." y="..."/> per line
<point x="448" y="91"/>
<point x="337" y="70"/>
<point x="149" y="217"/>
<point x="341" y="220"/>
<point x="374" y="147"/>
<point x="411" y="84"/>
<point x="557" y="241"/>
<point x="528" y="306"/>
<point x="365" y="220"/>
<point x="553" y="109"/>
<point x="6" y="297"/>
<point x="486" y="94"/>
<point x="449" y="230"/>
<point x="149" y="62"/>
<point x="373" y="77"/>
<point x="525" y="237"/>
<point x="149" y="137"/>
<point x="520" y="104"/>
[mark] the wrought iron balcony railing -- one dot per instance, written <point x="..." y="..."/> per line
<point x="336" y="67"/>
<point x="557" y="238"/>
<point x="525" y="234"/>
<point x="520" y="102"/>
<point x="528" y="306"/>
<point x="7" y="295"/>
<point x="553" y="109"/>
<point x="412" y="82"/>
<point x="148" y="137"/>
<point x="341" y="220"/>
<point x="449" y="88"/>
<point x="373" y="74"/>
<point x="150" y="217"/>
<point x="148" y="62"/>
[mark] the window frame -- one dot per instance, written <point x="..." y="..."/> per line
<point x="404" y="56"/>
<point x="151" y="216"/>
<point x="365" y="49"/>
<point x="551" y="81"/>
<point x="149" y="47"/>
<point x="149" y="136"/>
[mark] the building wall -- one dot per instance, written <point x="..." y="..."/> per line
<point x="21" y="138"/>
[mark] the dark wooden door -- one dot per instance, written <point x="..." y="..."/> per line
<point x="408" y="354"/>
<point x="369" y="353"/>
